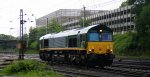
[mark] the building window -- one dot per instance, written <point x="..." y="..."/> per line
<point x="115" y="14"/>
<point x="118" y="13"/>
<point x="121" y="12"/>
<point x="109" y="15"/>
<point x="112" y="14"/>
<point x="121" y="21"/>
<point x="104" y="16"/>
<point x="125" y="19"/>
<point x="128" y="20"/>
<point x="109" y="22"/>
<point x="125" y="11"/>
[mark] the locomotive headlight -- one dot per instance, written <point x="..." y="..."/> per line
<point x="111" y="50"/>
<point x="90" y="50"/>
<point x="100" y="30"/>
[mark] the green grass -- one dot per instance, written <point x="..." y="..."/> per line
<point x="29" y="68"/>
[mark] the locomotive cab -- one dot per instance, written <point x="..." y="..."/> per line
<point x="100" y="45"/>
<point x="100" y="40"/>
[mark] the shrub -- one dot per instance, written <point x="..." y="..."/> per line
<point x="128" y="44"/>
<point x="29" y="68"/>
<point x="24" y="66"/>
<point x="124" y="42"/>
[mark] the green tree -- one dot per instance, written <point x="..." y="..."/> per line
<point x="86" y="22"/>
<point x="143" y="19"/>
<point x="127" y="2"/>
<point x="36" y="33"/>
<point x="54" y="26"/>
<point x="124" y="4"/>
<point x="143" y="27"/>
<point x="141" y="10"/>
<point x="7" y="37"/>
<point x="32" y="35"/>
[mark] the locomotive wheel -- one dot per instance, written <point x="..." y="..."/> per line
<point x="43" y="56"/>
<point x="66" y="58"/>
<point x="83" y="60"/>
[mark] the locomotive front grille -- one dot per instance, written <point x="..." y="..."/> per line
<point x="100" y="47"/>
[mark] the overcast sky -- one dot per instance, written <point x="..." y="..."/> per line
<point x="10" y="10"/>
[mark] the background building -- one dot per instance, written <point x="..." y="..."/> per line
<point x="65" y="15"/>
<point x="120" y="20"/>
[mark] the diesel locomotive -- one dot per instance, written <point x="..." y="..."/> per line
<point x="92" y="45"/>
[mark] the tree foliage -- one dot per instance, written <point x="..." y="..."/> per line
<point x="86" y="23"/>
<point x="127" y="2"/>
<point x="142" y="20"/>
<point x="36" y="33"/>
<point x="141" y="10"/>
<point x="7" y="37"/>
<point x="124" y="4"/>
<point x="143" y="27"/>
<point x="54" y="26"/>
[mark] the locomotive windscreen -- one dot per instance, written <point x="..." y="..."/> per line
<point x="93" y="35"/>
<point x="106" y="36"/>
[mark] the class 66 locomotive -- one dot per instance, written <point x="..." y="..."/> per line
<point x="92" y="45"/>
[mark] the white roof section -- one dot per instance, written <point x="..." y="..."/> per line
<point x="68" y="32"/>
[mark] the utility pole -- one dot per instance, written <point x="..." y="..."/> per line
<point x="47" y="26"/>
<point x="21" y="53"/>
<point x="84" y="15"/>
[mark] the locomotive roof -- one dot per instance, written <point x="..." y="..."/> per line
<point x="68" y="32"/>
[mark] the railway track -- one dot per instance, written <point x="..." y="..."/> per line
<point x="126" y="68"/>
<point x="143" y="65"/>
<point x="75" y="71"/>
<point x="118" y="69"/>
<point x="6" y="60"/>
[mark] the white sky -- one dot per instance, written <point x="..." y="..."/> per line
<point x="10" y="10"/>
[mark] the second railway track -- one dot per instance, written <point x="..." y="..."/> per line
<point x="118" y="69"/>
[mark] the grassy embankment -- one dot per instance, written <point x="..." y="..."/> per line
<point x="29" y="68"/>
<point x="127" y="45"/>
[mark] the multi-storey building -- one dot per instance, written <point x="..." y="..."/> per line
<point x="120" y="20"/>
<point x="65" y="15"/>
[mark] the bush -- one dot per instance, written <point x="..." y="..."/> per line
<point x="34" y="45"/>
<point x="125" y="42"/>
<point x="24" y="66"/>
<point x="128" y="44"/>
<point x="29" y="68"/>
